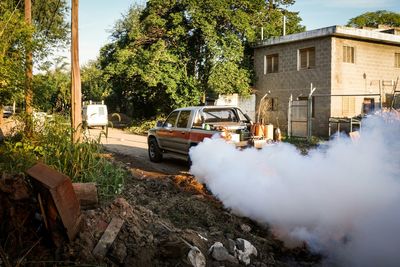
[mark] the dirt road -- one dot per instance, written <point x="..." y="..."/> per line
<point x="134" y="147"/>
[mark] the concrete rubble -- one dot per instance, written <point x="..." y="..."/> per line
<point x="245" y="249"/>
<point x="196" y="258"/>
<point x="220" y="253"/>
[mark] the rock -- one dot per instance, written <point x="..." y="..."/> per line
<point x="220" y="253"/>
<point x="196" y="258"/>
<point x="245" y="249"/>
<point x="91" y="213"/>
<point x="122" y="204"/>
<point x="245" y="228"/>
<point x="232" y="247"/>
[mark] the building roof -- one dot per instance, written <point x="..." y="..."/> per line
<point x="339" y="31"/>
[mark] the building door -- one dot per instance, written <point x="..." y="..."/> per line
<point x="368" y="105"/>
<point x="298" y="113"/>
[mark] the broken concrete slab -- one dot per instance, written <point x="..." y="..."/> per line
<point x="108" y="237"/>
<point x="220" y="253"/>
<point x="244" y="250"/>
<point x="196" y="258"/>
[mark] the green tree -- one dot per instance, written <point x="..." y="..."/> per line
<point x="13" y="41"/>
<point x="171" y="53"/>
<point x="93" y="85"/>
<point x="49" y="31"/>
<point x="52" y="87"/>
<point x="373" y="19"/>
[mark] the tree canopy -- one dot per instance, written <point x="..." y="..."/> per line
<point x="49" y="30"/>
<point x="172" y="53"/>
<point x="373" y="19"/>
<point x="13" y="41"/>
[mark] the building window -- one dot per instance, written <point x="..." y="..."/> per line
<point x="271" y="104"/>
<point x="265" y="65"/>
<point x="348" y="54"/>
<point x="348" y="106"/>
<point x="272" y="63"/>
<point x="307" y="58"/>
<point x="397" y="60"/>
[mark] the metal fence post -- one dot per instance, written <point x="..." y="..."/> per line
<point x="309" y="113"/>
<point x="289" y="131"/>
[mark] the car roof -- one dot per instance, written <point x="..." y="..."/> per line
<point x="203" y="107"/>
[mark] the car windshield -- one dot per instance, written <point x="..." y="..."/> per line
<point x="219" y="115"/>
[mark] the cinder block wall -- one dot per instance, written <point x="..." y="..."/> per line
<point x="290" y="80"/>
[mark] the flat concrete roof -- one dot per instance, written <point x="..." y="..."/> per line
<point x="339" y="31"/>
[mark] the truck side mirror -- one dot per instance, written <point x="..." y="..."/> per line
<point x="159" y="123"/>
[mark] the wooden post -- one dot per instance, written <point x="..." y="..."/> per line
<point x="28" y="71"/>
<point x="76" y="106"/>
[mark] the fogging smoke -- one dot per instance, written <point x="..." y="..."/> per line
<point x="344" y="201"/>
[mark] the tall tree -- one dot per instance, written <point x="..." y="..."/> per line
<point x="13" y="39"/>
<point x="172" y="52"/>
<point x="373" y="19"/>
<point x="52" y="87"/>
<point x="28" y="70"/>
<point x="93" y="85"/>
<point x="49" y="30"/>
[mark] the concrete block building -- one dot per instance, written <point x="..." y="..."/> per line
<point x="352" y="70"/>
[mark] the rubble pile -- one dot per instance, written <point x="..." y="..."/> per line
<point x="21" y="229"/>
<point x="158" y="221"/>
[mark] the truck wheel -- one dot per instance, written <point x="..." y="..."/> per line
<point x="155" y="153"/>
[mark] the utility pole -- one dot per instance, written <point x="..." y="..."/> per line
<point x="28" y="70"/>
<point x="76" y="106"/>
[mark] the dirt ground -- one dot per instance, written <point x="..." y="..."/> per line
<point x="166" y="214"/>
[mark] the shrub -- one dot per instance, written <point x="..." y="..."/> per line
<point x="51" y="144"/>
<point x="141" y="127"/>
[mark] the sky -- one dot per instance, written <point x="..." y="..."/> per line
<point x="97" y="17"/>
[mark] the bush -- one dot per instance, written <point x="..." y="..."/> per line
<point x="51" y="144"/>
<point x="303" y="144"/>
<point x="141" y="127"/>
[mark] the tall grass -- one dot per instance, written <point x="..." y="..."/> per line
<point x="51" y="144"/>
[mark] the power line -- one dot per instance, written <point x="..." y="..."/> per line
<point x="12" y="14"/>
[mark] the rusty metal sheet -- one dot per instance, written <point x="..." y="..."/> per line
<point x="62" y="194"/>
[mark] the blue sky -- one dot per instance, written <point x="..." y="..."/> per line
<point x="97" y="17"/>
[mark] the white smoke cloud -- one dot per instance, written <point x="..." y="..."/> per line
<point x="344" y="201"/>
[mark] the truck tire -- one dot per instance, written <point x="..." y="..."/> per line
<point x="155" y="153"/>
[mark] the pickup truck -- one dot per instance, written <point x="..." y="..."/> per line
<point x="186" y="127"/>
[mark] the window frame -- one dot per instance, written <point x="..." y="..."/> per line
<point x="307" y="51"/>
<point x="397" y="59"/>
<point x="179" y="120"/>
<point x="169" y="118"/>
<point x="346" y="54"/>
<point x="273" y="61"/>
<point x="273" y="106"/>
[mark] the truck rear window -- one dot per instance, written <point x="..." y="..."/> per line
<point x="219" y="115"/>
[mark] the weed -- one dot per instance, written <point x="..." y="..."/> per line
<point x="51" y="144"/>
